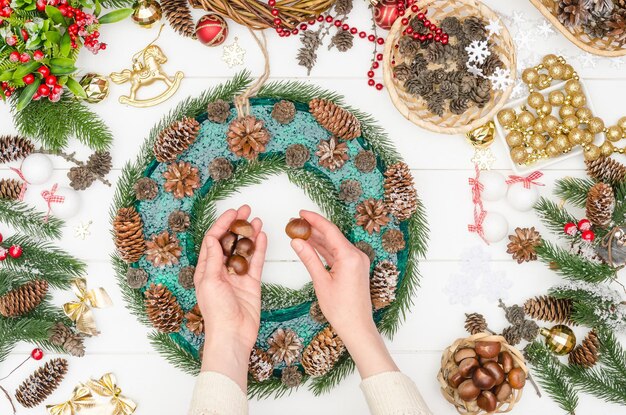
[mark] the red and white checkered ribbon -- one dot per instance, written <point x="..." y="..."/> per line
<point x="479" y="211"/>
<point x="477" y="227"/>
<point x="477" y="188"/>
<point x="50" y="198"/>
<point x="528" y="180"/>
<point x="18" y="171"/>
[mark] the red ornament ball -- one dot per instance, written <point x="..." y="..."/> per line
<point x="584" y="225"/>
<point x="16" y="251"/>
<point x="588" y="236"/>
<point x="37" y="354"/>
<point x="3" y="254"/>
<point x="212" y="29"/>
<point x="385" y="13"/>
<point x="1" y="238"/>
<point x="570" y="229"/>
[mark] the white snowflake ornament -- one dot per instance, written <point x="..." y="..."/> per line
<point x="478" y="51"/>
<point x="519" y="90"/>
<point x="475" y="70"/>
<point x="587" y="60"/>
<point x="501" y="79"/>
<point x="484" y="158"/>
<point x="82" y="231"/>
<point x="518" y="18"/>
<point x="233" y="54"/>
<point x="617" y="63"/>
<point x="545" y="29"/>
<point x="494" y="28"/>
<point x="524" y="40"/>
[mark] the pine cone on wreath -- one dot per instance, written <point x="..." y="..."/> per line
<point x="291" y="377"/>
<point x="372" y="214"/>
<point x="600" y="204"/>
<point x="179" y="17"/>
<point x="247" y="137"/>
<point x="136" y="278"/>
<point x="316" y="313"/>
<point x="80" y="177"/>
<point x="366" y="249"/>
<point x="75" y="346"/>
<point x="572" y="13"/>
<point x="23" y="299"/>
<point x="400" y="194"/>
<point x="474" y="28"/>
<point x="10" y="189"/>
<point x="343" y="7"/>
<point x="297" y="155"/>
<point x="365" y="161"/>
<point x="324" y="351"/>
<point x="393" y="241"/>
<point x="332" y="154"/>
<point x="42" y="383"/>
<point x="163" y="250"/>
<point x="179" y="221"/>
<point x="350" y="191"/>
<point x="185" y="277"/>
<point x="529" y="330"/>
<point x="522" y="245"/>
<point x="260" y="365"/>
<point x="475" y="323"/>
<point x="195" y="321"/>
<point x="341" y="123"/>
<point x="383" y="284"/>
<point x="14" y="147"/>
<point x="548" y="308"/>
<point x="587" y="353"/>
<point x="600" y="7"/>
<point x="175" y="139"/>
<point x="220" y="169"/>
<point x="162" y="309"/>
<point x="129" y="237"/>
<point x="218" y="111"/>
<point x="181" y="179"/>
<point x="285" y="346"/>
<point x="100" y="163"/>
<point x="284" y="111"/>
<point x="146" y="189"/>
<point x="607" y="170"/>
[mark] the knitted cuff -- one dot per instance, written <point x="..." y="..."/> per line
<point x="393" y="393"/>
<point x="217" y="394"/>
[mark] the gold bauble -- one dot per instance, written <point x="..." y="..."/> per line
<point x="482" y="136"/>
<point x="588" y="137"/>
<point x="530" y="76"/>
<point x="544" y="81"/>
<point x="552" y="150"/>
<point x="614" y="133"/>
<point x="570" y="122"/>
<point x="560" y="339"/>
<point x="507" y="117"/>
<point x="561" y="142"/>
<point x="537" y="141"/>
<point x="550" y="60"/>
<point x="535" y="100"/>
<point x="96" y="87"/>
<point x="576" y="136"/>
<point x="514" y="138"/>
<point x="545" y="109"/>
<point x="519" y="154"/>
<point x="567" y="110"/>
<point x="584" y="114"/>
<point x="622" y="124"/>
<point x="569" y="71"/>
<point x="578" y="100"/>
<point x="525" y="119"/>
<point x="606" y="148"/>
<point x="556" y="98"/>
<point x="573" y="87"/>
<point x="550" y="123"/>
<point x="596" y="125"/>
<point x="557" y="71"/>
<point x="146" y="13"/>
<point x="592" y="152"/>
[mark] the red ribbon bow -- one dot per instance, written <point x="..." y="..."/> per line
<point x="24" y="185"/>
<point x="477" y="188"/>
<point x="50" y="198"/>
<point x="477" y="227"/>
<point x="528" y="180"/>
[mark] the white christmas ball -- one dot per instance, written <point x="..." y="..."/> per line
<point x="494" y="185"/>
<point x="521" y="198"/>
<point x="70" y="206"/>
<point x="37" y="168"/>
<point x="495" y="227"/>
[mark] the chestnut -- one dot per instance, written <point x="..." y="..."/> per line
<point x="462" y="354"/>
<point x="506" y="360"/>
<point x="468" y="391"/>
<point x="244" y="247"/>
<point x="484" y="360"/>
<point x="496" y="371"/>
<point x="487" y="349"/>
<point x="298" y="228"/>
<point x="517" y="378"/>
<point x="455" y="379"/>
<point x="482" y="378"/>
<point x="237" y="264"/>
<point x="228" y="243"/>
<point x="487" y="401"/>
<point x="242" y="228"/>
<point x="503" y="392"/>
<point x="467" y="367"/>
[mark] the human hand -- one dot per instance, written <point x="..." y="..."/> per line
<point x="230" y="304"/>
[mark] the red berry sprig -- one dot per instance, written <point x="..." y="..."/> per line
<point x="14" y="251"/>
<point x="583" y="226"/>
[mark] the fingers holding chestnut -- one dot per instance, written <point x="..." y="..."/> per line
<point x="298" y="228"/>
<point x="237" y="246"/>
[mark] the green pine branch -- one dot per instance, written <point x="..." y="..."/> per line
<point x="612" y="355"/>
<point x="619" y="214"/>
<point x="588" y="309"/>
<point x="574" y="190"/>
<point x="132" y="298"/>
<point x="598" y="383"/>
<point x="29" y="221"/>
<point x="323" y="384"/>
<point x="572" y="266"/>
<point x="275" y="296"/>
<point x="554" y="216"/>
<point x="175" y="354"/>
<point x="272" y="387"/>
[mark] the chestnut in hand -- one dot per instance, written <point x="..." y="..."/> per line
<point x="237" y="264"/>
<point x="487" y="401"/>
<point x="244" y="247"/>
<point x="242" y="228"/>
<point x="298" y="228"/>
<point x="487" y="349"/>
<point x="482" y="378"/>
<point x="468" y="391"/>
<point x="228" y="243"/>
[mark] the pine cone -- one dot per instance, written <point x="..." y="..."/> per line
<point x="342" y="40"/>
<point x="402" y="72"/>
<point x="260" y="366"/>
<point x="587" y="353"/>
<point x="100" y="163"/>
<point x="600" y="204"/>
<point x="247" y="137"/>
<point x="617" y="26"/>
<point x="59" y="333"/>
<point x="452" y="26"/>
<point x="607" y="170"/>
<point x="548" y="308"/>
<point x="597" y="26"/>
<point x="42" y="383"/>
<point x="181" y="179"/>
<point x="436" y="53"/>
<point x="14" y="147"/>
<point x="400" y="195"/>
<point x="514" y="314"/>
<point x="10" y="189"/>
<point x="179" y="17"/>
<point x="393" y="241"/>
<point x="136" y="278"/>
<point x="322" y="353"/>
<point x="572" y="13"/>
<point x="529" y="330"/>
<point x="23" y="299"/>
<point x="341" y="123"/>
<point x="332" y="154"/>
<point x="481" y="92"/>
<point x="297" y="155"/>
<point x="383" y="284"/>
<point x="175" y="139"/>
<point x="316" y="313"/>
<point x="220" y="169"/>
<point x="129" y="238"/>
<point x="600" y="7"/>
<point x="284" y="111"/>
<point x="163" y="250"/>
<point x="80" y="177"/>
<point x="291" y="377"/>
<point x="409" y="47"/>
<point x="459" y="105"/>
<point x="75" y="346"/>
<point x="492" y="63"/>
<point x="365" y="161"/>
<point x="366" y="249"/>
<point x="350" y="191"/>
<point x="185" y="277"/>
<point x="285" y="346"/>
<point x="474" y="28"/>
<point x="512" y="335"/>
<point x="179" y="221"/>
<point x="146" y="189"/>
<point x="522" y="245"/>
<point x="218" y="111"/>
<point x="162" y="309"/>
<point x="195" y="322"/>
<point x="372" y="214"/>
<point x="475" y="323"/>
<point x="306" y="56"/>
<point x="343" y="7"/>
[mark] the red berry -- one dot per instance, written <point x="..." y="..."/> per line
<point x="375" y="65"/>
<point x="29" y="79"/>
<point x="371" y="82"/>
<point x="584" y="225"/>
<point x="414" y="8"/>
<point x="362" y="35"/>
<point x="43" y="90"/>
<point x="337" y="23"/>
<point x="570" y="229"/>
<point x="14" y="56"/>
<point x="379" y="86"/>
<point x="371" y="38"/>
<point x="421" y="16"/>
<point x="275" y="12"/>
<point x="277" y="22"/>
<point x="57" y="89"/>
<point x="429" y="36"/>
<point x="271" y="3"/>
<point x="345" y="26"/>
<point x="38" y="55"/>
<point x="380" y="41"/>
<point x="51" y="80"/>
<point x="404" y="21"/>
<point x="427" y="23"/>
<point x="304" y="26"/>
<point x="329" y="19"/>
<point x="409" y="30"/>
<point x="295" y="31"/>
<point x="37" y="354"/>
<point x="444" y="41"/>
<point x="588" y="236"/>
<point x="44" y="71"/>
<point x="379" y="57"/>
<point x="370" y="74"/>
<point x="15" y="251"/>
<point x="320" y="18"/>
<point x="1" y="237"/>
<point x="354" y="30"/>
<point x="437" y="38"/>
<point x="3" y="254"/>
<point x="24" y="57"/>
<point x="24" y="34"/>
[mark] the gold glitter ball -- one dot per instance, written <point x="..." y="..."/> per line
<point x="556" y="98"/>
<point x="578" y="100"/>
<point x="570" y="122"/>
<point x="514" y="138"/>
<point x="607" y="148"/>
<point x="622" y="124"/>
<point x="546" y="108"/>
<point x="525" y="119"/>
<point x="550" y="60"/>
<point x="596" y="125"/>
<point x="592" y="152"/>
<point x="96" y="87"/>
<point x="614" y="133"/>
<point x="561" y="142"/>
<point x="576" y="136"/>
<point x="544" y="81"/>
<point x="507" y="117"/>
<point x="588" y="137"/>
<point x="550" y="123"/>
<point x="584" y="114"/>
<point x="530" y="76"/>
<point x="573" y="87"/>
<point x="569" y="72"/>
<point x="538" y="141"/>
<point x="567" y="110"/>
<point x="557" y="71"/>
<point x="552" y="150"/>
<point x="519" y="155"/>
<point x="535" y="100"/>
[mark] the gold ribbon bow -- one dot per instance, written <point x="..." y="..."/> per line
<point x="80" y="311"/>
<point x="107" y="386"/>
<point x="81" y="398"/>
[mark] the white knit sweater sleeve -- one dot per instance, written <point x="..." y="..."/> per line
<point x="393" y="393"/>
<point x="216" y="394"/>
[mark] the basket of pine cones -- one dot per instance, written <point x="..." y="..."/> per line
<point x="595" y="26"/>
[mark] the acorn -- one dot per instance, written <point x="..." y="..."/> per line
<point x="487" y="401"/>
<point x="487" y="349"/>
<point x="468" y="391"/>
<point x="467" y="367"/>
<point x="244" y="247"/>
<point x="455" y="379"/>
<point x="228" y="243"/>
<point x="506" y="360"/>
<point x="482" y="378"/>
<point x="517" y="378"/>
<point x="237" y="264"/>
<point x="496" y="371"/>
<point x="298" y="228"/>
<point x="463" y="354"/>
<point x="242" y="228"/>
<point x="503" y="392"/>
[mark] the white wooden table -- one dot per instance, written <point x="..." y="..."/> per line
<point x="441" y="166"/>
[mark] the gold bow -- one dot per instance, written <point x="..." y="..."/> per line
<point x="81" y="398"/>
<point x="107" y="386"/>
<point x="80" y="311"/>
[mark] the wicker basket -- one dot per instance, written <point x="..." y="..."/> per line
<point x="605" y="46"/>
<point x="414" y="108"/>
<point x="448" y="365"/>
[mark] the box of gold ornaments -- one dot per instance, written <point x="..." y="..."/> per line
<point x="556" y="120"/>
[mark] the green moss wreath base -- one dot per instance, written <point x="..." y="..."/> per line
<point x="285" y="311"/>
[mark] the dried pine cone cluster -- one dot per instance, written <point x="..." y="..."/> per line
<point x="84" y="175"/>
<point x="598" y="18"/>
<point x="438" y="73"/>
<point x="63" y="336"/>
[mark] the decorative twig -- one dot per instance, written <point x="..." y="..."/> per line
<point x="9" y="399"/>
<point x="72" y="159"/>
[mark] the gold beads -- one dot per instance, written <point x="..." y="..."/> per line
<point x="556" y="98"/>
<point x="592" y="152"/>
<point x="536" y="100"/>
<point x="570" y="122"/>
<point x="584" y="114"/>
<point x="578" y="100"/>
<point x="614" y="133"/>
<point x="519" y="154"/>
<point x="557" y="71"/>
<point x="573" y="87"/>
<point x="566" y="111"/>
<point x="596" y="125"/>
<point x="507" y="117"/>
<point x="561" y="142"/>
<point x="550" y="123"/>
<point x="576" y="136"/>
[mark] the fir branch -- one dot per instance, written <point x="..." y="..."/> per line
<point x="574" y="190"/>
<point x="612" y="355"/>
<point x="598" y="383"/>
<point x="132" y="298"/>
<point x="552" y="377"/>
<point x="553" y="216"/>
<point x="27" y="220"/>
<point x="272" y="387"/>
<point x="175" y="354"/>
<point x="275" y="296"/>
<point x="619" y="213"/>
<point x="11" y="278"/>
<point x="323" y="384"/>
<point x="572" y="266"/>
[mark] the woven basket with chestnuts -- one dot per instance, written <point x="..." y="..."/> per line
<point x="482" y="374"/>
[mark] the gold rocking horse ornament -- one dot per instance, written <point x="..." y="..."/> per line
<point x="147" y="70"/>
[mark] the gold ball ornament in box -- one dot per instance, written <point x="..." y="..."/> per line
<point x="146" y="13"/>
<point x="515" y="138"/>
<point x="212" y="29"/>
<point x="530" y="76"/>
<point x="560" y="339"/>
<point x="507" y="117"/>
<point x="592" y="152"/>
<point x="584" y="114"/>
<point x="550" y="60"/>
<point x="607" y="148"/>
<point x="614" y="133"/>
<point x="536" y="100"/>
<point x="525" y="119"/>
<point x="596" y="125"/>
<point x="519" y="154"/>
<point x="556" y="98"/>
<point x="566" y="111"/>
<point x="96" y="87"/>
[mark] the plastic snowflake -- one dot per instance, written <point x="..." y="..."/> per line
<point x="518" y="18"/>
<point x="478" y="51"/>
<point x="461" y="288"/>
<point x="233" y="54"/>
<point x="484" y="158"/>
<point x="587" y="60"/>
<point x="519" y="90"/>
<point x="524" y="40"/>
<point x="495" y="285"/>
<point x="474" y="70"/>
<point x="501" y="79"/>
<point x="545" y="29"/>
<point x="82" y="231"/>
<point x="494" y="28"/>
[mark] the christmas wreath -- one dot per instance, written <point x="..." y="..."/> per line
<point x="204" y="151"/>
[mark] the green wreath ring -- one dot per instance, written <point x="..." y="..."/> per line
<point x="203" y="152"/>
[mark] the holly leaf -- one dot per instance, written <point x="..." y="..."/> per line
<point x="62" y="70"/>
<point x="53" y="36"/>
<point x="27" y="95"/>
<point x="6" y="76"/>
<point x="64" y="47"/>
<point x="76" y="88"/>
<point x="54" y="14"/>
<point x="62" y="62"/>
<point x="25" y="69"/>
<point x="115" y="16"/>
<point x="97" y="9"/>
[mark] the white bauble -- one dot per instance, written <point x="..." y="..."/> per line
<point x="494" y="185"/>
<point x="70" y="206"/>
<point x="521" y="198"/>
<point x="37" y="168"/>
<point x="495" y="227"/>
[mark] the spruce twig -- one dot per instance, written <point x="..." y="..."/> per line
<point x="572" y="266"/>
<point x="27" y="220"/>
<point x="554" y="216"/>
<point x="174" y="353"/>
<point x="574" y="190"/>
<point x="71" y="157"/>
